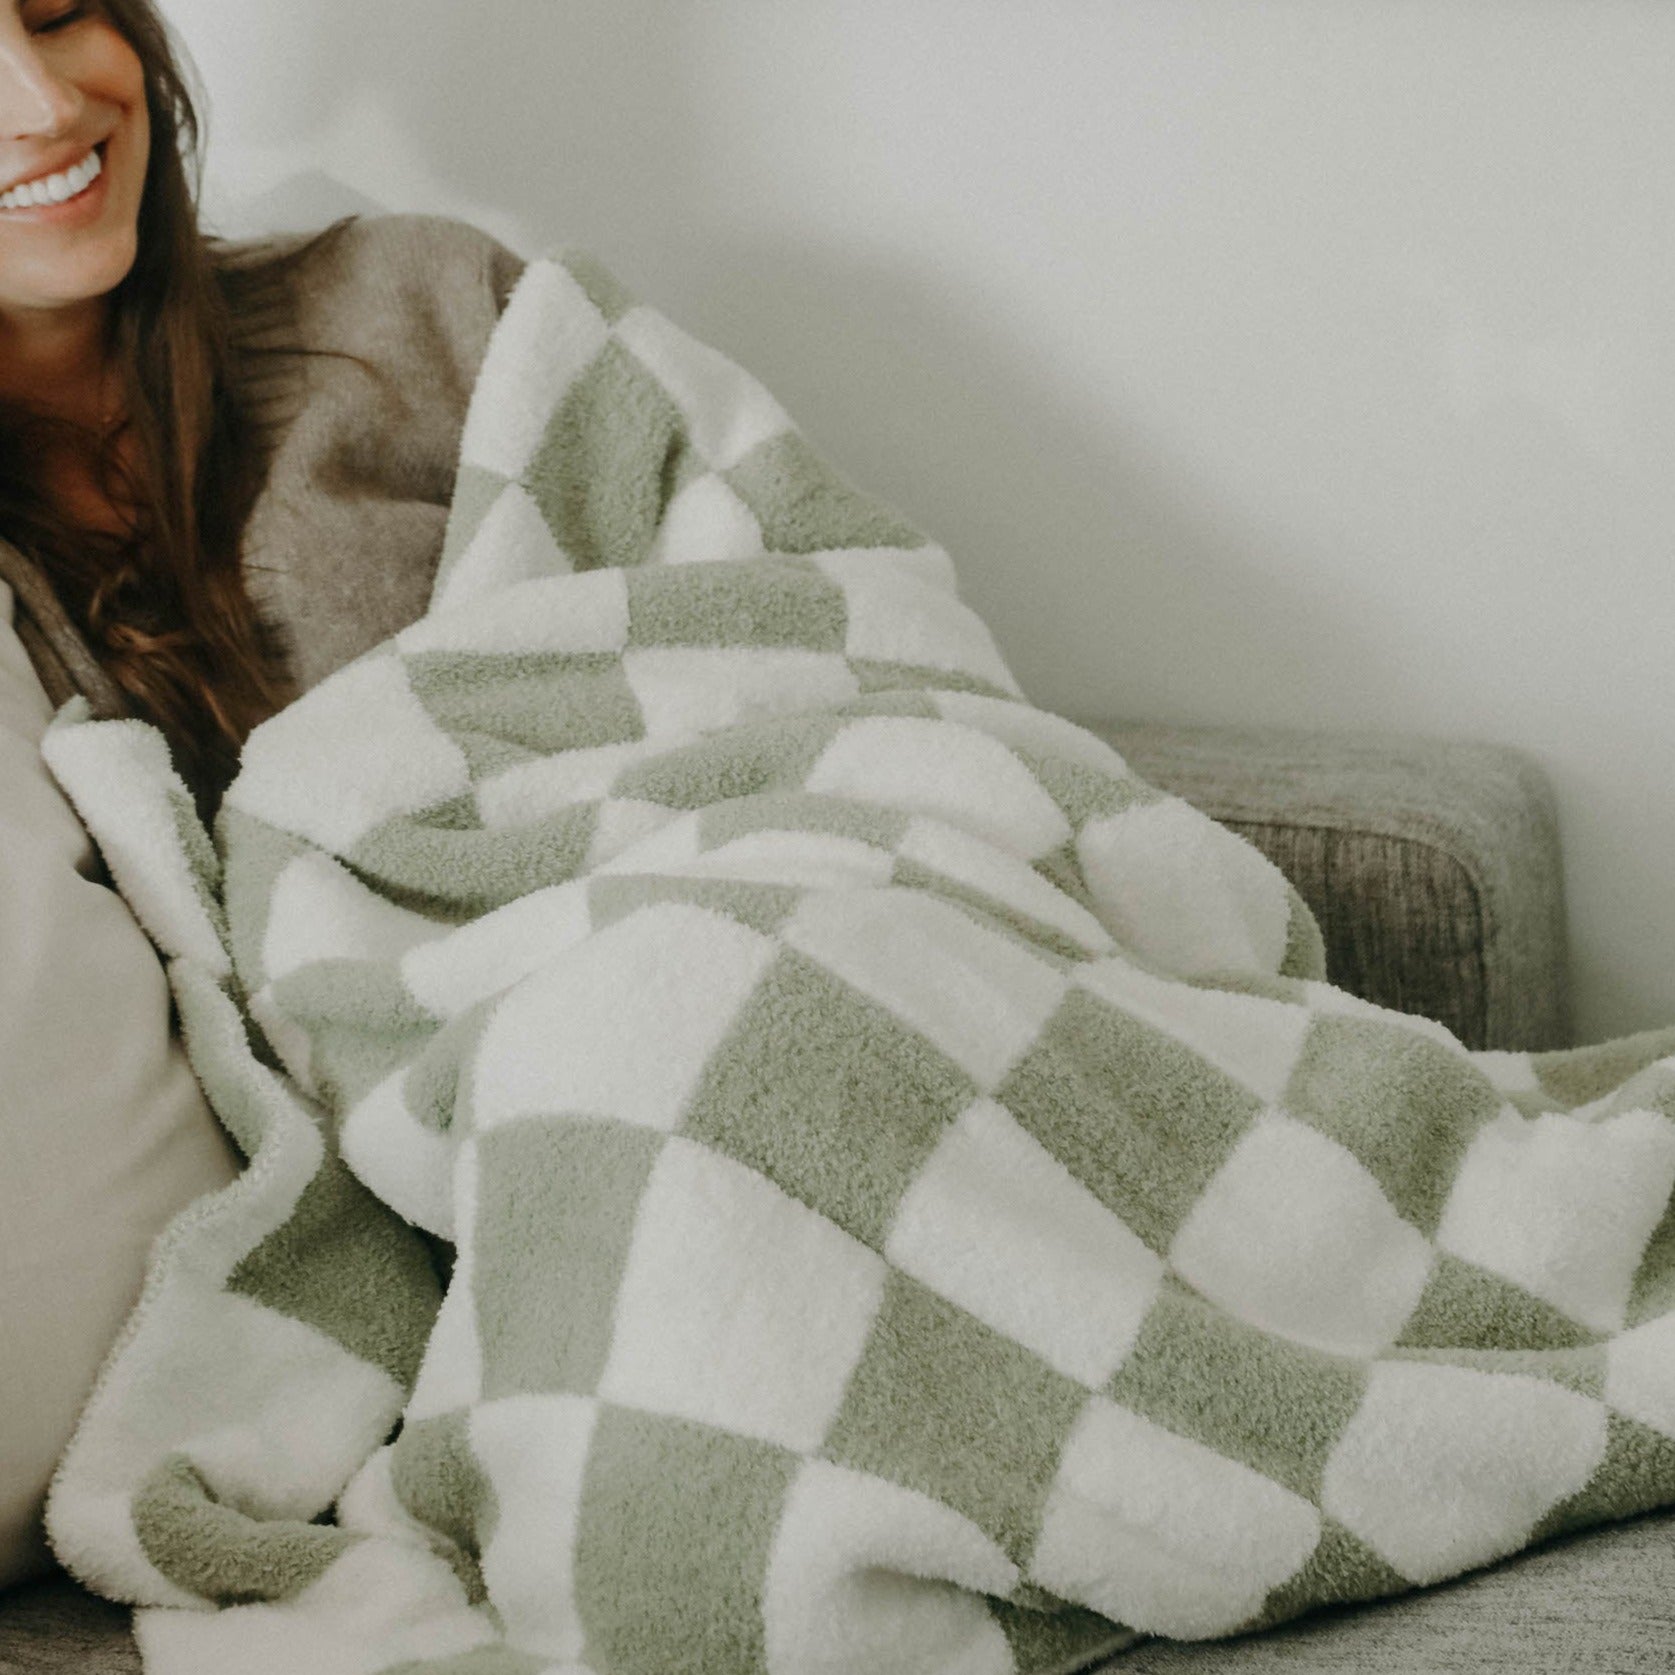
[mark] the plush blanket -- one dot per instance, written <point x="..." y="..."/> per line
<point x="769" y="1152"/>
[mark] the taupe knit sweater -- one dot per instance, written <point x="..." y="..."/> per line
<point x="343" y="541"/>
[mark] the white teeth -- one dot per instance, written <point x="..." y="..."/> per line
<point x="55" y="188"/>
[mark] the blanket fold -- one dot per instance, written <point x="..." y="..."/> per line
<point x="768" y="1152"/>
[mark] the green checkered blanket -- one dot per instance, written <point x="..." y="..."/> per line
<point x="769" y="1152"/>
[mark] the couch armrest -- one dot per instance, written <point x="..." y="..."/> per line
<point x="1433" y="867"/>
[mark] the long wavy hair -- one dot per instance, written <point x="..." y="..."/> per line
<point x="164" y="606"/>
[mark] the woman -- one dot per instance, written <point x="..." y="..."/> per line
<point x="209" y="452"/>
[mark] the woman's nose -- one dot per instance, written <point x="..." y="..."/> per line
<point x="33" y="99"/>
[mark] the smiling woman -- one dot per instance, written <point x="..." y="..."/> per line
<point x="146" y="370"/>
<point x="183" y="420"/>
<point x="114" y="346"/>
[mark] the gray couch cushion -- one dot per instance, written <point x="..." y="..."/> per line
<point x="1433" y="866"/>
<point x="1599" y="1602"/>
<point x="56" y="1628"/>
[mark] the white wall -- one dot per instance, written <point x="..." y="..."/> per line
<point x="1294" y="361"/>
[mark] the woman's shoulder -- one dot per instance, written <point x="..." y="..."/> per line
<point x="381" y="267"/>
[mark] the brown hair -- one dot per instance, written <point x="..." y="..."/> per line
<point x="164" y="607"/>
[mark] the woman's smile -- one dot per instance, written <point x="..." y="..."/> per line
<point x="74" y="148"/>
<point x="74" y="194"/>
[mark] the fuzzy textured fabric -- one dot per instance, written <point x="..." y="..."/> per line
<point x="769" y="1152"/>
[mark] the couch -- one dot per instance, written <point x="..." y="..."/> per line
<point x="1434" y="869"/>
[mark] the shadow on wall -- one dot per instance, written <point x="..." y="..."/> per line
<point x="580" y="123"/>
<point x="543" y="123"/>
<point x="1107" y="566"/>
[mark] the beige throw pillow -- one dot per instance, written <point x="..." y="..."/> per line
<point x="104" y="1134"/>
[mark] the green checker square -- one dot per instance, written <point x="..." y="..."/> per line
<point x="219" y="1553"/>
<point x="602" y="288"/>
<point x="1637" y="1474"/>
<point x="673" y="1538"/>
<point x="1581" y="1370"/>
<point x="1139" y="1119"/>
<point x="1580" y="1075"/>
<point x="543" y="702"/>
<point x="1085" y="793"/>
<point x="361" y="1022"/>
<point x="476" y="489"/>
<point x="1341" y="1569"/>
<point x="347" y="1265"/>
<point x="439" y="1481"/>
<point x="1061" y="868"/>
<point x="1254" y="1396"/>
<point x="1653" y="1291"/>
<point x="431" y="1087"/>
<point x="1061" y="1638"/>
<point x="742" y="761"/>
<point x="1399" y="1101"/>
<point x="757" y="604"/>
<point x="804" y="506"/>
<point x="991" y="911"/>
<point x="763" y="907"/>
<point x="801" y="811"/>
<point x="1466" y="1306"/>
<point x="256" y="854"/>
<point x="943" y="1404"/>
<point x="1305" y="943"/>
<point x="606" y="466"/>
<point x="559" y="1197"/>
<point x="918" y="702"/>
<point x="827" y="1094"/>
<point x="456" y="875"/>
<point x="874" y="674"/>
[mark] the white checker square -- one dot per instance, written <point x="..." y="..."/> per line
<point x="690" y="690"/>
<point x="928" y="563"/>
<point x="553" y="614"/>
<point x="1251" y="1038"/>
<point x="803" y="859"/>
<point x="534" y="1450"/>
<point x="548" y="334"/>
<point x="727" y="411"/>
<point x="1183" y="892"/>
<point x="739" y="1307"/>
<point x="1024" y="725"/>
<point x="512" y="544"/>
<point x="487" y="955"/>
<point x="1163" y="1534"/>
<point x="1334" y="1002"/>
<point x="995" y="1223"/>
<point x="623" y="1024"/>
<point x="451" y="1369"/>
<point x="1294" y="1235"/>
<point x="1443" y="1468"/>
<point x="1562" y="1206"/>
<point x="319" y="910"/>
<point x="537" y="790"/>
<point x="622" y="824"/>
<point x="997" y="873"/>
<point x="1640" y="1373"/>
<point x="318" y="770"/>
<point x="858" y="1582"/>
<point x="942" y="769"/>
<point x="978" y="996"/>
<point x="1508" y="1072"/>
<point x="897" y="617"/>
<point x="407" y="1163"/>
<point x="706" y="523"/>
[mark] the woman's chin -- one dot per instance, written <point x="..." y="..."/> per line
<point x="79" y="271"/>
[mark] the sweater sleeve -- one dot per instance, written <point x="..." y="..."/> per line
<point x="368" y="354"/>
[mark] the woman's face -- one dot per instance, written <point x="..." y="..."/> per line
<point x="71" y="90"/>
